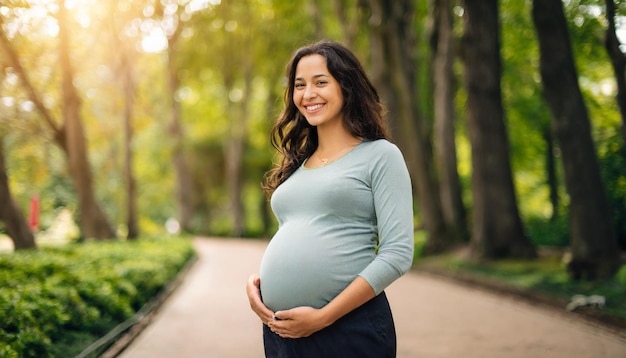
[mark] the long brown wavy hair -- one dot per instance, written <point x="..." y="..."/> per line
<point x="295" y="139"/>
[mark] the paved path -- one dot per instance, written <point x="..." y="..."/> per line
<point x="209" y="316"/>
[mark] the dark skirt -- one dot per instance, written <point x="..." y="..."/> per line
<point x="368" y="331"/>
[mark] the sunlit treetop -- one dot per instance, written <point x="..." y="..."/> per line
<point x="152" y="22"/>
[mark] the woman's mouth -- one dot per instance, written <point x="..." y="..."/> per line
<point x="313" y="107"/>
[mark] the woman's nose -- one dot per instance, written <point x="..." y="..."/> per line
<point x="309" y="92"/>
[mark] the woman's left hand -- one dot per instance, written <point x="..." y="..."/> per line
<point x="298" y="322"/>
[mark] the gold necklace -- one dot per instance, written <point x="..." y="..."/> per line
<point x="325" y="161"/>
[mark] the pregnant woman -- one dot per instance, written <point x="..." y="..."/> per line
<point x="342" y="198"/>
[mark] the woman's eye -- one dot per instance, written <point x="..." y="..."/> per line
<point x="299" y="85"/>
<point x="321" y="83"/>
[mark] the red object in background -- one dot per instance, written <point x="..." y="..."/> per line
<point x="33" y="220"/>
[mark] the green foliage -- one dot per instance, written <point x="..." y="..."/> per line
<point x="621" y="275"/>
<point x="613" y="164"/>
<point x="544" y="232"/>
<point x="55" y="301"/>
<point x="242" y="47"/>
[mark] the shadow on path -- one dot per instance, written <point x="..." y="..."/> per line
<point x="208" y="316"/>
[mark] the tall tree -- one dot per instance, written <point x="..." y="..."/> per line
<point x="184" y="183"/>
<point x="92" y="217"/>
<point x="349" y="24"/>
<point x="125" y="72"/>
<point x="10" y="213"/>
<point x="593" y="242"/>
<point x="443" y="43"/>
<point x="236" y="75"/>
<point x="497" y="230"/>
<point x="618" y="60"/>
<point x="393" y="54"/>
<point x="70" y="136"/>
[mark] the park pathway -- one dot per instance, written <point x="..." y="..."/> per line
<point x="208" y="316"/>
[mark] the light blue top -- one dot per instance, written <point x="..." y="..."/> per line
<point x="352" y="217"/>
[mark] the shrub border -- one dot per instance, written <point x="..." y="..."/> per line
<point x="122" y="335"/>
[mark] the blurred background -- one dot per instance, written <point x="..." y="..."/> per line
<point x="127" y="118"/>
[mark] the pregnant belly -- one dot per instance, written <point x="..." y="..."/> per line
<point x="301" y="269"/>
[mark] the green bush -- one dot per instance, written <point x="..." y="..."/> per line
<point x="544" y="232"/>
<point x="621" y="275"/>
<point x="56" y="301"/>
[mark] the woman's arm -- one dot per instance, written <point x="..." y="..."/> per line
<point x="303" y="321"/>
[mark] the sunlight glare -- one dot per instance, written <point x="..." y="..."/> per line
<point x="217" y="24"/>
<point x="8" y="101"/>
<point x="198" y="5"/>
<point x="50" y="27"/>
<point x="11" y="78"/>
<point x="620" y="31"/>
<point x="82" y="10"/>
<point x="27" y="106"/>
<point x="154" y="41"/>
<point x="170" y="9"/>
<point x="231" y="26"/>
<point x="83" y="19"/>
<point x="235" y="95"/>
<point x="148" y="11"/>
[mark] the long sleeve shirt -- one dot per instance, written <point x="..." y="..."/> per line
<point x="352" y="217"/>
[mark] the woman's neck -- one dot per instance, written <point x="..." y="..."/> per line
<point x="332" y="140"/>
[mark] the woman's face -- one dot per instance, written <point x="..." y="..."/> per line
<point x="317" y="94"/>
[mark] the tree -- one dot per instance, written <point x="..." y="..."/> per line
<point x="594" y="246"/>
<point x="497" y="230"/>
<point x="444" y="115"/>
<point x="184" y="184"/>
<point x="394" y="72"/>
<point x="10" y="213"/>
<point x="69" y="136"/>
<point x="125" y="72"/>
<point x="237" y="74"/>
<point x="618" y="60"/>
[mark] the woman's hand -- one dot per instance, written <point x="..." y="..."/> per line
<point x="304" y="321"/>
<point x="253" y="289"/>
<point x="298" y="322"/>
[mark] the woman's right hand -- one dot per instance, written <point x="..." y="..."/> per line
<point x="253" y="289"/>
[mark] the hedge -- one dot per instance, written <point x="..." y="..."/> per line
<point x="56" y="301"/>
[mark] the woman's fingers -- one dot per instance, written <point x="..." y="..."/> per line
<point x="256" y="303"/>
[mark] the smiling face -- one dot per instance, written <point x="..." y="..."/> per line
<point x="317" y="94"/>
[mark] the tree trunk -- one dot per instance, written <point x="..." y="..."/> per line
<point x="393" y="61"/>
<point x="131" y="186"/>
<point x="125" y="72"/>
<point x="349" y="26"/>
<point x="239" y="111"/>
<point x="444" y="134"/>
<point x="93" y="221"/>
<point x="318" y="19"/>
<point x="184" y="182"/>
<point x="618" y="60"/>
<point x="496" y="225"/>
<point x="552" y="181"/>
<point x="594" y="245"/>
<point x="14" y="221"/>
<point x="234" y="158"/>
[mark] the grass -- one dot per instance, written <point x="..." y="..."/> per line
<point x="543" y="279"/>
